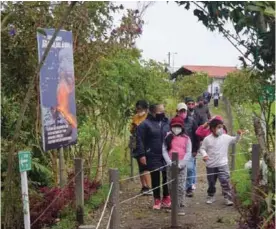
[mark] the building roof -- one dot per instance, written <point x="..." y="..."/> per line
<point x="212" y="71"/>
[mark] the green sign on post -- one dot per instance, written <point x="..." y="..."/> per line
<point x="24" y="161"/>
<point x="268" y="93"/>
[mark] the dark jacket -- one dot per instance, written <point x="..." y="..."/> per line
<point x="203" y="113"/>
<point x="150" y="137"/>
<point x="190" y="127"/>
<point x="195" y="116"/>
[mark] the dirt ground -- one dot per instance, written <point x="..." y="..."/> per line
<point x="138" y="213"/>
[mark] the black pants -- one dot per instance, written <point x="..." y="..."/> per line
<point x="155" y="182"/>
<point x="216" y="102"/>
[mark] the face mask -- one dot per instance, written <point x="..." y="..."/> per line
<point x="176" y="130"/>
<point x="160" y="116"/>
<point x="190" y="108"/>
<point x="183" y="115"/>
<point x="219" y="131"/>
<point x="140" y="114"/>
<point x="200" y="104"/>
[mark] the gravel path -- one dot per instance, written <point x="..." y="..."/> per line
<point x="138" y="213"/>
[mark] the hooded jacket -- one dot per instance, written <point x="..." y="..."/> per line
<point x="203" y="113"/>
<point x="150" y="137"/>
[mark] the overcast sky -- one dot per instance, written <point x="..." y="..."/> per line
<point x="170" y="28"/>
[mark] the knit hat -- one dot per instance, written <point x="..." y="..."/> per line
<point x="189" y="99"/>
<point x="214" y="123"/>
<point x="217" y="117"/>
<point x="177" y="121"/>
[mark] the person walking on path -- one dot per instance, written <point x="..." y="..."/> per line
<point x="190" y="102"/>
<point x="138" y="118"/>
<point x="216" y="99"/>
<point x="202" y="110"/>
<point x="190" y="127"/>
<point x="178" y="141"/>
<point x="214" y="150"/>
<point x="150" y="137"/>
<point x="204" y="130"/>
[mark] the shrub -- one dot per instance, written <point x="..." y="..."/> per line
<point x="58" y="199"/>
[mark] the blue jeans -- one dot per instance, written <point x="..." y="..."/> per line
<point x="191" y="173"/>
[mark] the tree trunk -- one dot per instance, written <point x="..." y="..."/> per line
<point x="269" y="158"/>
<point x="11" y="187"/>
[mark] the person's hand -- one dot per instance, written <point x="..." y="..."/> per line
<point x="205" y="158"/>
<point x="143" y="160"/>
<point x="240" y="132"/>
<point x="194" y="154"/>
<point x="205" y="125"/>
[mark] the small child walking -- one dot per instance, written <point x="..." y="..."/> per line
<point x="214" y="150"/>
<point x="177" y="141"/>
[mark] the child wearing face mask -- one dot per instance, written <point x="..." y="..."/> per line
<point x="177" y="141"/>
<point x="214" y="150"/>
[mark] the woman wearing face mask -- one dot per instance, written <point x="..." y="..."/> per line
<point x="214" y="150"/>
<point x="178" y="141"/>
<point x="150" y="137"/>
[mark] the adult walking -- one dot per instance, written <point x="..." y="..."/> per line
<point x="216" y="99"/>
<point x="202" y="110"/>
<point x="150" y="137"/>
<point x="138" y="118"/>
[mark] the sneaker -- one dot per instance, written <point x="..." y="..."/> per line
<point x="228" y="202"/>
<point x="157" y="204"/>
<point x="193" y="187"/>
<point x="189" y="193"/>
<point x="181" y="211"/>
<point x="166" y="202"/>
<point x="210" y="200"/>
<point x="146" y="191"/>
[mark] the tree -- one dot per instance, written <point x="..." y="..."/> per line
<point x="103" y="64"/>
<point x="191" y="86"/>
<point x="255" y="20"/>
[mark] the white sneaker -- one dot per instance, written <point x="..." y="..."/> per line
<point x="210" y="199"/>
<point x="193" y="187"/>
<point x="228" y="202"/>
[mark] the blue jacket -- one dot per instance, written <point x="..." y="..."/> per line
<point x="150" y="137"/>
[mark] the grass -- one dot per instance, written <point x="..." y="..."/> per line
<point x="68" y="215"/>
<point x="117" y="159"/>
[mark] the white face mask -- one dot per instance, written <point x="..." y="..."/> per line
<point x="219" y="131"/>
<point x="176" y="130"/>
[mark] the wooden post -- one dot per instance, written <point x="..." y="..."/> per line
<point x="255" y="179"/>
<point x="114" y="198"/>
<point x="62" y="178"/>
<point x="255" y="163"/>
<point x="174" y="191"/>
<point x="87" y="227"/>
<point x="79" y="190"/>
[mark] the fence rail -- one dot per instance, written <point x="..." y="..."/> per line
<point x="113" y="195"/>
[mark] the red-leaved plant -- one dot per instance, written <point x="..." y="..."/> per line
<point x="56" y="199"/>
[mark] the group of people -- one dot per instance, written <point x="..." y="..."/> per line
<point x="191" y="131"/>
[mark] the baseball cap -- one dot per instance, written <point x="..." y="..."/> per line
<point x="181" y="106"/>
